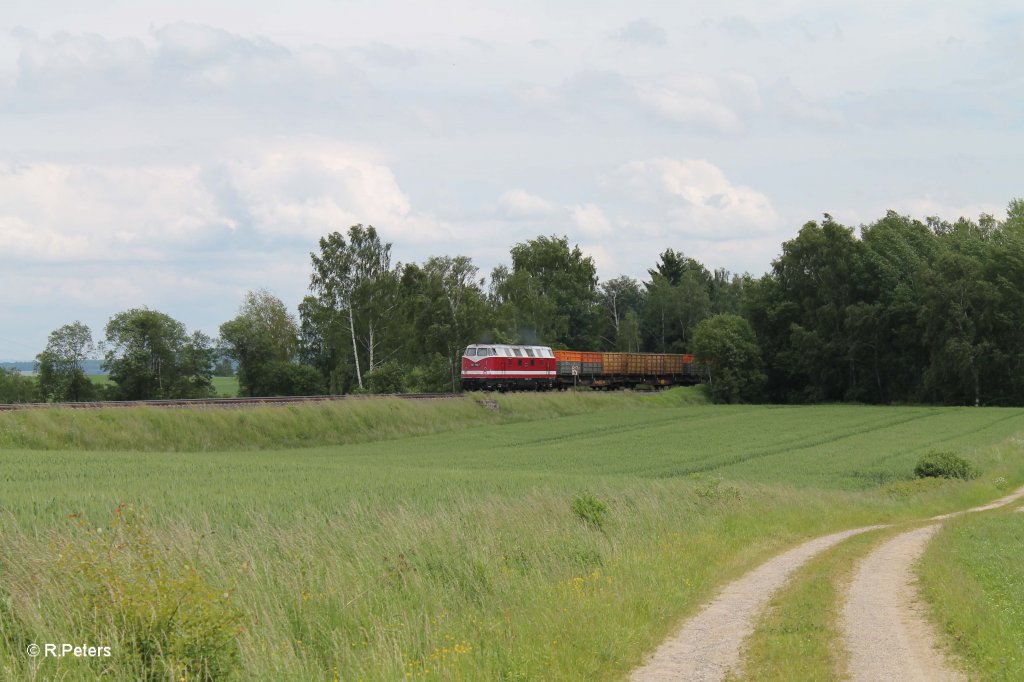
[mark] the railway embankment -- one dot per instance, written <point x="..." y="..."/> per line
<point x="254" y="424"/>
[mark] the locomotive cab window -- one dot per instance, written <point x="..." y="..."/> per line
<point x="529" y="351"/>
<point x="470" y="352"/>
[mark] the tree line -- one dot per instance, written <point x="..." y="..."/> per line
<point x="898" y="310"/>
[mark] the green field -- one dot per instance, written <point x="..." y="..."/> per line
<point x="226" y="387"/>
<point x="560" y="538"/>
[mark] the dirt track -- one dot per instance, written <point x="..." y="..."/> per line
<point x="708" y="645"/>
<point x="886" y="630"/>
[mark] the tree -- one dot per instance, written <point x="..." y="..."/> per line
<point x="15" y="388"/>
<point x="627" y="340"/>
<point x="264" y="339"/>
<point x="445" y="308"/>
<point x="550" y="295"/>
<point x="674" y="267"/>
<point x="671" y="312"/>
<point x="618" y="298"/>
<point x="960" y="315"/>
<point x="61" y="377"/>
<point x="819" y="274"/>
<point x="149" y="356"/>
<point x="354" y="280"/>
<point x="727" y="345"/>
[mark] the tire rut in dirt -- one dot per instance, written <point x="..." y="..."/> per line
<point x="708" y="646"/>
<point x="885" y="625"/>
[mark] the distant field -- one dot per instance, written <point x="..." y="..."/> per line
<point x="226" y="387"/>
<point x="500" y="546"/>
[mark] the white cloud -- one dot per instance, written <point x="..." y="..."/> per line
<point x="51" y="211"/>
<point x="591" y="221"/>
<point x="307" y="189"/>
<point x="519" y="203"/>
<point x="697" y="199"/>
<point x="64" y="211"/>
<point x="719" y="103"/>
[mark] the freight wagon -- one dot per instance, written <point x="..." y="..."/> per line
<point x="625" y="370"/>
<point x="509" y="367"/>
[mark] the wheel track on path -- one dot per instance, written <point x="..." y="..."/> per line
<point x="885" y="626"/>
<point x="708" y="646"/>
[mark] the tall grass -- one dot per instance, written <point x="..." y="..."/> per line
<point x="502" y="546"/>
<point x="330" y="423"/>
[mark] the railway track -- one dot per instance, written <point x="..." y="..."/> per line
<point x="225" y="402"/>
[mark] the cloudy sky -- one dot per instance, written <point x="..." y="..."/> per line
<point x="177" y="154"/>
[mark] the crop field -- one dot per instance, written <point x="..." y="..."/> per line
<point x="560" y="538"/>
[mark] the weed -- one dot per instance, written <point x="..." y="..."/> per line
<point x="590" y="510"/>
<point x="712" y="490"/>
<point x="155" y="605"/>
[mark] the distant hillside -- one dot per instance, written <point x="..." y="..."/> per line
<point x="28" y="366"/>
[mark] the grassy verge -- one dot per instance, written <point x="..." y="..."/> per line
<point x="333" y="423"/>
<point x="973" y="577"/>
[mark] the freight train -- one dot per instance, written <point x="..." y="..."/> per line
<point x="504" y="367"/>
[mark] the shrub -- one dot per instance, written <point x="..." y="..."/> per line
<point x="387" y="377"/>
<point x="944" y="465"/>
<point x="590" y="510"/>
<point x="148" y="602"/>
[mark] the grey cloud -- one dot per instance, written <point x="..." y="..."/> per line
<point x="596" y="83"/>
<point x="642" y="32"/>
<point x="794" y="109"/>
<point x="739" y="27"/>
<point x="477" y="43"/>
<point x="382" y="54"/>
<point x="187" y="63"/>
<point x="193" y="45"/>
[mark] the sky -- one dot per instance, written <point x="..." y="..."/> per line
<point x="176" y="155"/>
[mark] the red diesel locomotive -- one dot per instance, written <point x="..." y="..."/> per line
<point x="502" y="367"/>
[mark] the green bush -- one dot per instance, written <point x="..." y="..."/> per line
<point x="590" y="510"/>
<point x="944" y="465"/>
<point x="387" y="377"/>
<point x="148" y="602"/>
